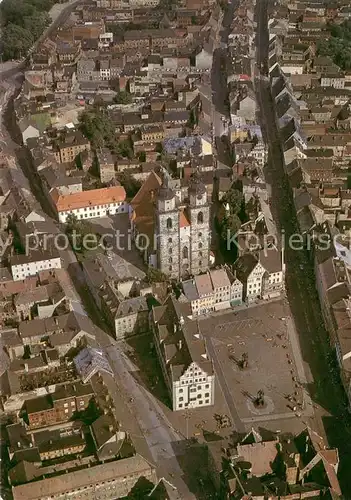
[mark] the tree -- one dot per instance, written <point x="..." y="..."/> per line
<point x="123" y="97"/>
<point x="16" y="41"/>
<point x="124" y="149"/>
<point x="130" y="184"/>
<point x="234" y="198"/>
<point x="230" y="226"/>
<point x="154" y="275"/>
<point x="338" y="45"/>
<point x="98" y="127"/>
<point x="23" y="22"/>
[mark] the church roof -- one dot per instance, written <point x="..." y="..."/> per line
<point x="183" y="220"/>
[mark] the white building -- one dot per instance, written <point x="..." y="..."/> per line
<point x="261" y="274"/>
<point x="23" y="266"/>
<point x="93" y="203"/>
<point x="105" y="40"/>
<point x="187" y="369"/>
<point x="217" y="289"/>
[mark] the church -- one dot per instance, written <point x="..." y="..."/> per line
<point x="177" y="225"/>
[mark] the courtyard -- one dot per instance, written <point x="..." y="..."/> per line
<point x="258" y="365"/>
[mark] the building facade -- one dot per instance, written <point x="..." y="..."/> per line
<point x="181" y="349"/>
<point x="23" y="266"/>
<point x="93" y="203"/>
<point x="183" y="231"/>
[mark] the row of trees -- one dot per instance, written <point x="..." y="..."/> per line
<point x="23" y="23"/>
<point x="338" y="46"/>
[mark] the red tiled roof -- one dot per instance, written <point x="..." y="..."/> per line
<point x="93" y="197"/>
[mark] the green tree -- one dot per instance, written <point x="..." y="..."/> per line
<point x="234" y="198"/>
<point x="124" y="148"/>
<point x="16" y="41"/>
<point x="154" y="275"/>
<point x="98" y="127"/>
<point x="23" y="21"/>
<point x="130" y="184"/>
<point x="230" y="225"/>
<point x="123" y="97"/>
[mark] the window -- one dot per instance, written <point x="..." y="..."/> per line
<point x="200" y="234"/>
<point x="200" y="245"/>
<point x="207" y="386"/>
<point x="169" y="240"/>
<point x="181" y="398"/>
<point x="169" y="223"/>
<point x="170" y="260"/>
<point x="180" y="390"/>
<point x="200" y="218"/>
<point x="170" y="250"/>
<point x="207" y="401"/>
<point x="170" y="268"/>
<point x="200" y="262"/>
<point x="207" y="394"/>
<point x="185" y="253"/>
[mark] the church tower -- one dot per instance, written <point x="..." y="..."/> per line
<point x="167" y="231"/>
<point x="200" y="235"/>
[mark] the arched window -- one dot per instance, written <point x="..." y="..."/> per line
<point x="200" y="234"/>
<point x="170" y="260"/>
<point x="200" y="218"/>
<point x="200" y="245"/>
<point x="200" y="263"/>
<point x="170" y="250"/>
<point x="169" y="223"/>
<point x="169" y="240"/>
<point x="185" y="253"/>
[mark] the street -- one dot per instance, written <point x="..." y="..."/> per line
<point x="326" y="390"/>
<point x="220" y="89"/>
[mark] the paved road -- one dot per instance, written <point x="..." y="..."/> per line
<point x="219" y="87"/>
<point x="326" y="390"/>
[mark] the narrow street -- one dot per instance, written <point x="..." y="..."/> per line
<point x="326" y="390"/>
<point x="219" y="85"/>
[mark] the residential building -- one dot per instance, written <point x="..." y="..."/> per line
<point x="69" y="146"/>
<point x="106" y="163"/>
<point x="58" y="406"/>
<point x="185" y="363"/>
<point x="107" y="481"/>
<point x="94" y="203"/>
<point x="217" y="289"/>
<point x="24" y="265"/>
<point x="262" y="274"/>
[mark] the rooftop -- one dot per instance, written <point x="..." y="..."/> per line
<point x="92" y="198"/>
